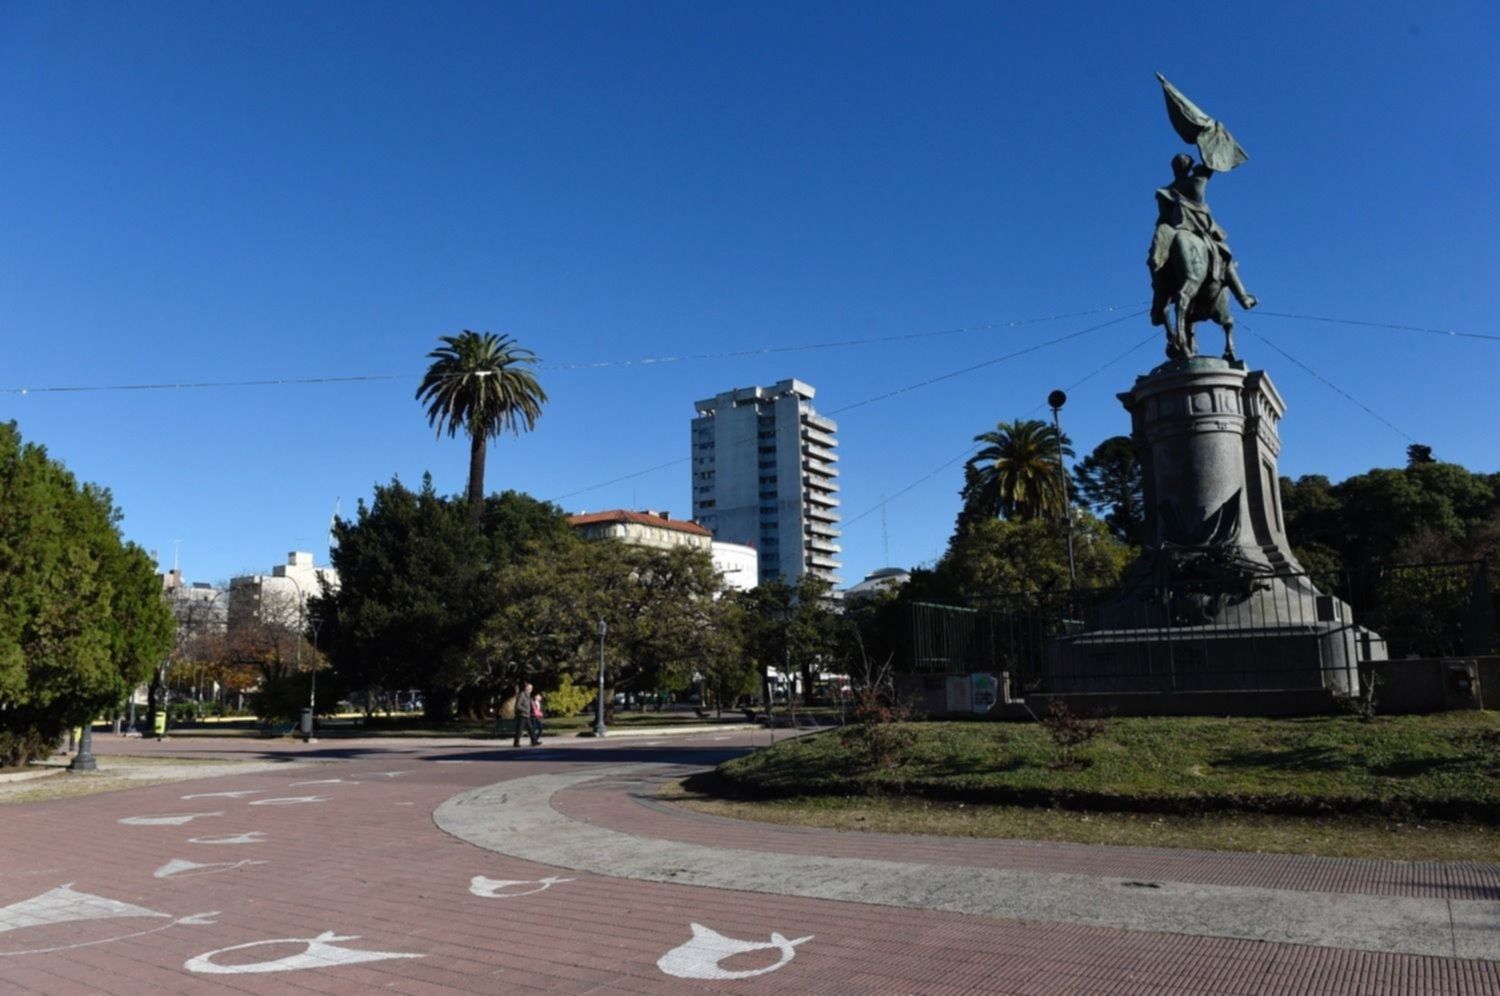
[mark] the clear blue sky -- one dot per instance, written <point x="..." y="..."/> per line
<point x="204" y="192"/>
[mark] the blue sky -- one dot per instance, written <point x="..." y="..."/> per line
<point x="207" y="192"/>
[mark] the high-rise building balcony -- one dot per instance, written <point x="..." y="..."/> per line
<point x="823" y="561"/>
<point x="819" y="467"/>
<point x="818" y="437"/>
<point x="816" y="528"/>
<point x="819" y="513"/>
<point x="825" y="498"/>
<point x="817" y="544"/>
<point x="816" y="421"/>
<point x="819" y="452"/>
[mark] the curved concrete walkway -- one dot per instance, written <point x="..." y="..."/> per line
<point x="516" y="818"/>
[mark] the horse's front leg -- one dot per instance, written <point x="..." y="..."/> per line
<point x="1187" y="337"/>
<point x="1229" y="342"/>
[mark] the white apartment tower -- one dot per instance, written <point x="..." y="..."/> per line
<point x="763" y="475"/>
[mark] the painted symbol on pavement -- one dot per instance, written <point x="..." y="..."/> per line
<point x="237" y="794"/>
<point x="290" y="800"/>
<point x="253" y="837"/>
<point x="491" y="888"/>
<point x="179" y="866"/>
<point x="388" y="774"/>
<point x="165" y="821"/>
<point x="322" y="781"/>
<point x="699" y="958"/>
<point x="321" y="952"/>
<point x="65" y="904"/>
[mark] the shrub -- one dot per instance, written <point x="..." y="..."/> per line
<point x="1069" y="731"/>
<point x="568" y="699"/>
<point x="876" y="733"/>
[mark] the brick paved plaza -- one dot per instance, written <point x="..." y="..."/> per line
<point x="419" y="866"/>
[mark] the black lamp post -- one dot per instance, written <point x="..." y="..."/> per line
<point x="599" y="728"/>
<point x="1055" y="401"/>
<point x="84" y="759"/>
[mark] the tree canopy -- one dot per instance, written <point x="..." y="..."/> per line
<point x="82" y="619"/>
<point x="479" y="384"/>
<point x="1017" y="474"/>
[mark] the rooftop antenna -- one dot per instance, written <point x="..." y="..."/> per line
<point x="176" y="555"/>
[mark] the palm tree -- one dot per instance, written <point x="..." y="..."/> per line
<point x="478" y="383"/>
<point x="1017" y="474"/>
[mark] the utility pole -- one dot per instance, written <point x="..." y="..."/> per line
<point x="1055" y="401"/>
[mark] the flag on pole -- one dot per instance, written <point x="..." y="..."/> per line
<point x="1216" y="147"/>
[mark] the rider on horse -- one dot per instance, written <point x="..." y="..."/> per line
<point x="1181" y="207"/>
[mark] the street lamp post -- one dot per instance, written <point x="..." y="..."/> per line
<point x="599" y="728"/>
<point x="84" y="759"/>
<point x="312" y="694"/>
<point x="1055" y="401"/>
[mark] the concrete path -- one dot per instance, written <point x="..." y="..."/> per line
<point x="516" y="818"/>
<point x="335" y="879"/>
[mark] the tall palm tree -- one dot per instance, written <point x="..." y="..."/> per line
<point x="478" y="383"/>
<point x="1017" y="474"/>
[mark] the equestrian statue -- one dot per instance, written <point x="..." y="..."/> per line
<point x="1193" y="271"/>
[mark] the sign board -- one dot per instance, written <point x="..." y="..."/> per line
<point x="984" y="692"/>
<point x="957" y="687"/>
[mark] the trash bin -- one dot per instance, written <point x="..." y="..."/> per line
<point x="159" y="727"/>
<point x="307" y="721"/>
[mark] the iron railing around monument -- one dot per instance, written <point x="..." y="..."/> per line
<point x="1286" y="631"/>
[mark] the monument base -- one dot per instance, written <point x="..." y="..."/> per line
<point x="1308" y="657"/>
<point x="1217" y="601"/>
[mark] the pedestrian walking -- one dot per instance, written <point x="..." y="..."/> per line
<point x="523" y="712"/>
<point x="536" y="719"/>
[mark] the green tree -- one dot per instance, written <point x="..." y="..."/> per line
<point x="999" y="556"/>
<point x="1016" y="475"/>
<point x="659" y="606"/>
<point x="1109" y="481"/>
<point x="793" y="626"/>
<point x="82" y="619"/>
<point x="417" y="583"/>
<point x="479" y="384"/>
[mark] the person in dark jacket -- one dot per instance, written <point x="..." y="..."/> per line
<point x="523" y="713"/>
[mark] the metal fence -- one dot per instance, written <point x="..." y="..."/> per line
<point x="1281" y="631"/>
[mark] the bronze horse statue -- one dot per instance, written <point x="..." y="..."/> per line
<point x="1192" y="268"/>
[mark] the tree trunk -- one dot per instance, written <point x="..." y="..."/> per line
<point x="477" y="445"/>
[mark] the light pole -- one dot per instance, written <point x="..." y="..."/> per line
<point x="312" y="694"/>
<point x="1055" y="401"/>
<point x="84" y="759"/>
<point x="599" y="728"/>
<point x="312" y="698"/>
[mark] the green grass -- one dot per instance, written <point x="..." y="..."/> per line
<point x="1337" y="837"/>
<point x="1445" y="765"/>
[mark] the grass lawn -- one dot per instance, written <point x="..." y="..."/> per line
<point x="1339" y="837"/>
<point x="1440" y="766"/>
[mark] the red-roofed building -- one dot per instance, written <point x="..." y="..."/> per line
<point x="736" y="562"/>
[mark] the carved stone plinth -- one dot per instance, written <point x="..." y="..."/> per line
<point x="1217" y="599"/>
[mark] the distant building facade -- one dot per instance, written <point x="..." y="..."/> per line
<point x="281" y="596"/>
<point x="877" y="581"/>
<point x="736" y="563"/>
<point x="198" y="607"/>
<point x="763" y="475"/>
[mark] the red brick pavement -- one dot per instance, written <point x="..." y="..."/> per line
<point x="622" y="804"/>
<point x="368" y="862"/>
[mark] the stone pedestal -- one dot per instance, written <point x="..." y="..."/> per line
<point x="1217" y="599"/>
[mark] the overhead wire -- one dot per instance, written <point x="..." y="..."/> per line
<point x="975" y="447"/>
<point x="1332" y="386"/>
<point x="891" y="394"/>
<point x="591" y="365"/>
<point x="1379" y="325"/>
